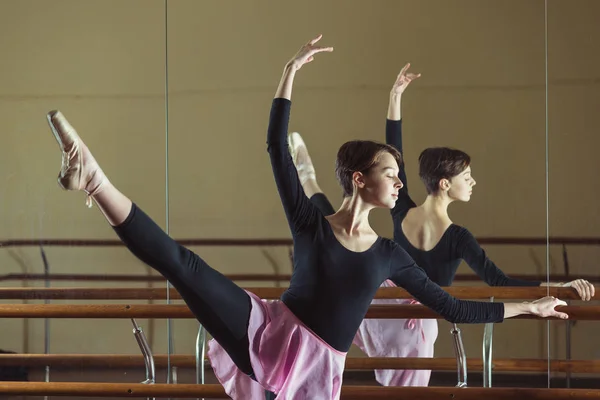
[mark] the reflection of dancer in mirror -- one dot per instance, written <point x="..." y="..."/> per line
<point x="296" y="347"/>
<point x="428" y="235"/>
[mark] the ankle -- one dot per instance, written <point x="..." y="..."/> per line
<point x="96" y="182"/>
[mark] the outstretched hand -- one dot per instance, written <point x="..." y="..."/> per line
<point x="545" y="307"/>
<point x="306" y="53"/>
<point x="403" y="80"/>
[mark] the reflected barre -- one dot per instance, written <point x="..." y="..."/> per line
<point x="104" y="311"/>
<point x="66" y="361"/>
<point x="267" y="277"/>
<point x="84" y="389"/>
<point x="462" y="292"/>
<point x="495" y="240"/>
<point x="277" y="242"/>
<point x="270" y="277"/>
<point x="434" y="393"/>
<point x="78" y="389"/>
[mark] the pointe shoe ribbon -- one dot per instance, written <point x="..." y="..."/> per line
<point x="77" y="171"/>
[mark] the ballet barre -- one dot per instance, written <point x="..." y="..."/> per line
<point x="494" y="240"/>
<point x="84" y="389"/>
<point x="377" y="311"/>
<point x="110" y="361"/>
<point x="462" y="292"/>
<point x="271" y="277"/>
<point x="279" y="242"/>
<point x="104" y="311"/>
<point x="272" y="293"/>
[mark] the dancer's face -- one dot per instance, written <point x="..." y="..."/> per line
<point x="461" y="186"/>
<point x="380" y="185"/>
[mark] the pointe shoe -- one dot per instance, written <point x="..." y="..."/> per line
<point x="79" y="169"/>
<point x="301" y="158"/>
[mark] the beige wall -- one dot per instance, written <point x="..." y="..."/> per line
<point x="483" y="90"/>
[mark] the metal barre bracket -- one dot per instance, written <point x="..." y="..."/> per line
<point x="488" y="334"/>
<point x="140" y="337"/>
<point x="461" y="358"/>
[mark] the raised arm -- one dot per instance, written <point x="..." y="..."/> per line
<point x="393" y="135"/>
<point x="409" y="276"/>
<point x="298" y="208"/>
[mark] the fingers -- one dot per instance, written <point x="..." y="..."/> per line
<point x="307" y="52"/>
<point x="322" y="49"/>
<point x="547" y="307"/>
<point x="315" y="40"/>
<point x="560" y="315"/>
<point x="575" y="286"/>
<point x="587" y="288"/>
<point x="558" y="302"/>
<point x="404" y="69"/>
<point x="405" y="78"/>
<point x="584" y="289"/>
<point x="554" y="301"/>
<point x="310" y="54"/>
<point x="312" y="49"/>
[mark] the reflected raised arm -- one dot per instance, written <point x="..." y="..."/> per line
<point x="403" y="79"/>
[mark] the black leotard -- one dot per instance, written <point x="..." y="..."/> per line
<point x="455" y="245"/>
<point x="332" y="287"/>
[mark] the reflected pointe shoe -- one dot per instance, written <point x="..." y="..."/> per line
<point x="79" y="169"/>
<point x="301" y="158"/>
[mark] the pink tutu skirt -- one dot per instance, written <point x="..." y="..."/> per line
<point x="288" y="359"/>
<point x="398" y="338"/>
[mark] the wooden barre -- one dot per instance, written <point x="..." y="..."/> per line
<point x="495" y="240"/>
<point x="462" y="292"/>
<point x="80" y="389"/>
<point x="352" y="363"/>
<point x="435" y="393"/>
<point x="103" y="311"/>
<point x="136" y="278"/>
<point x="473" y="364"/>
<point x="271" y="277"/>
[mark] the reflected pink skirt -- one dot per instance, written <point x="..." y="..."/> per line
<point x="398" y="338"/>
<point x="287" y="357"/>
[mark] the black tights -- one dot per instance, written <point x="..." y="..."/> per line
<point x="222" y="307"/>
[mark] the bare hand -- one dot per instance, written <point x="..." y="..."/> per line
<point x="403" y="80"/>
<point x="544" y="307"/>
<point x="306" y="53"/>
<point x="584" y="289"/>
